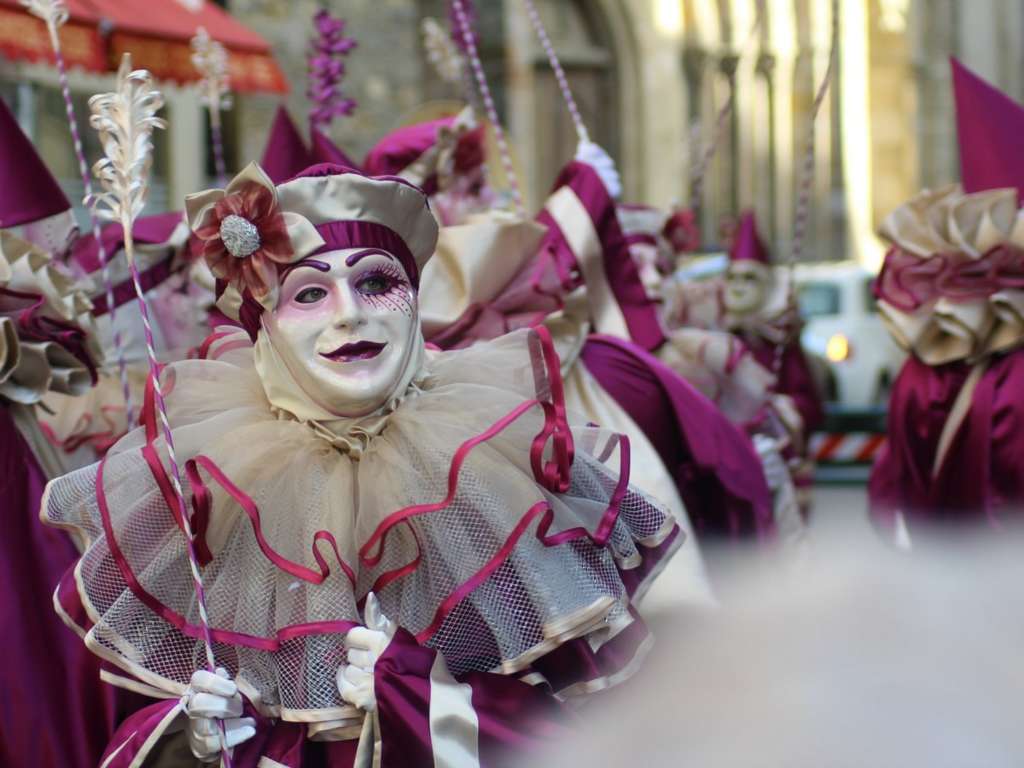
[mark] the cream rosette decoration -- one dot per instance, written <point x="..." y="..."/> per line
<point x="46" y="339"/>
<point x="952" y="287"/>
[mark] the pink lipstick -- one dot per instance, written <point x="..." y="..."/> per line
<point x="360" y="350"/>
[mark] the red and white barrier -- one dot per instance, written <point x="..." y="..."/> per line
<point x="853" y="447"/>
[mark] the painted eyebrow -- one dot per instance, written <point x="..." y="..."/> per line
<point x="320" y="266"/>
<point x="356" y="257"/>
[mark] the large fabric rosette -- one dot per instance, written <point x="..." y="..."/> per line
<point x="46" y="339"/>
<point x="487" y="526"/>
<point x="952" y="287"/>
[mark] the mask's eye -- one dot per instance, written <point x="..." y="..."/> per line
<point x="373" y="285"/>
<point x="310" y="295"/>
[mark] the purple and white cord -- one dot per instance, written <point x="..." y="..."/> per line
<point x="721" y="123"/>
<point x="556" y="66"/>
<point x="806" y="177"/>
<point x="161" y="407"/>
<point x="83" y="167"/>
<point x="492" y="113"/>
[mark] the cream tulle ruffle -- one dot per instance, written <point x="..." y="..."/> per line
<point x="458" y="515"/>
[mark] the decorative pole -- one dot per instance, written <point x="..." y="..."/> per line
<point x="700" y="169"/>
<point x="806" y="177"/>
<point x="464" y="29"/>
<point x="556" y="66"/>
<point x="54" y="13"/>
<point x="327" y="53"/>
<point x="125" y="120"/>
<point x="211" y="61"/>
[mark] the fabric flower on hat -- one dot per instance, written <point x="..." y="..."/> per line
<point x="245" y="234"/>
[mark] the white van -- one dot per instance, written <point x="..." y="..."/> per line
<point x="845" y="335"/>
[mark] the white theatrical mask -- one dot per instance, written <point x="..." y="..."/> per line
<point x="746" y="287"/>
<point x="346" y="327"/>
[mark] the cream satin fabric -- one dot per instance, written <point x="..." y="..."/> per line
<point x="948" y="221"/>
<point x="685" y="580"/>
<point x="472" y="263"/>
<point x="30" y="369"/>
<point x="574" y="221"/>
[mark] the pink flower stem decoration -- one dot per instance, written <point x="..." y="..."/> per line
<point x="55" y="14"/>
<point x="469" y="39"/>
<point x="556" y="66"/>
<point x="328" y="49"/>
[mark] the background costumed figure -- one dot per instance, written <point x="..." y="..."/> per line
<point x="950" y="292"/>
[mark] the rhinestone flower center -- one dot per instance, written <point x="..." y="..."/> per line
<point x="239" y="235"/>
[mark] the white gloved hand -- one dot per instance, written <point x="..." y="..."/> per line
<point x="365" y="646"/>
<point x="593" y="155"/>
<point x="209" y="698"/>
<point x="776" y="473"/>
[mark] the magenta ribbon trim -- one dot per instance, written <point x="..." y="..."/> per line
<point x="553" y="474"/>
<point x="908" y="282"/>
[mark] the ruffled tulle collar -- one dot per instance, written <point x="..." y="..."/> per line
<point x="489" y="528"/>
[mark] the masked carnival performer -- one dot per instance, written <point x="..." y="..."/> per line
<point x="405" y="552"/>
<point x="47" y="345"/>
<point x="952" y="293"/>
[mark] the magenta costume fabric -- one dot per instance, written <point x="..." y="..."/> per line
<point x="54" y="710"/>
<point x="716" y="470"/>
<point x="30" y="192"/>
<point x="515" y="720"/>
<point x="640" y="312"/>
<point x="148" y="230"/>
<point x="794" y="378"/>
<point x="980" y="479"/>
<point x="286" y="154"/>
<point x="988" y="124"/>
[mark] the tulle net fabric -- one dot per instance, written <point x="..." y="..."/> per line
<point x="459" y="515"/>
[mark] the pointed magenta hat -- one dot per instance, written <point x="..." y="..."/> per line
<point x="286" y="153"/>
<point x="990" y="129"/>
<point x="747" y="244"/>
<point x="30" y="193"/>
<point x="324" y="150"/>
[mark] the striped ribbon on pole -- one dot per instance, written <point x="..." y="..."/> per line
<point x="54" y="14"/>
<point x="710" y="148"/>
<point x="125" y="120"/>
<point x="469" y="40"/>
<point x="556" y="66"/>
<point x="803" y="201"/>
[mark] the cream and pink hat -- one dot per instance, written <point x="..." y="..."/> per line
<point x="252" y="229"/>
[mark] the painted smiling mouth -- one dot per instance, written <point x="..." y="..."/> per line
<point x="361" y="350"/>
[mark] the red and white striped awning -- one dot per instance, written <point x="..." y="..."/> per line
<point x="157" y="33"/>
